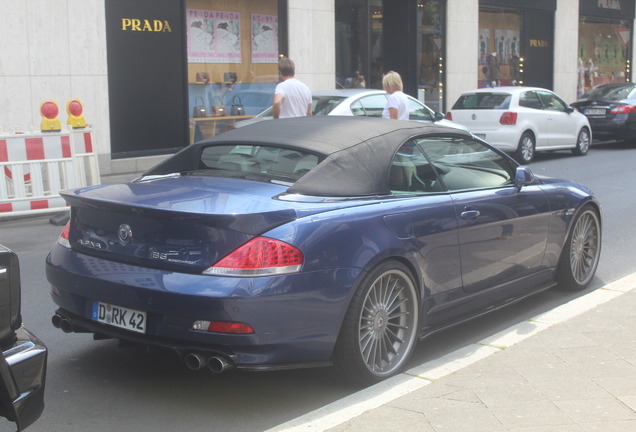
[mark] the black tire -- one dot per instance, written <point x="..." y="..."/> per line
<point x="581" y="252"/>
<point x="380" y="329"/>
<point x="583" y="143"/>
<point x="526" y="149"/>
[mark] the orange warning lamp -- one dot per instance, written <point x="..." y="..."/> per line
<point x="75" y="109"/>
<point x="50" y="122"/>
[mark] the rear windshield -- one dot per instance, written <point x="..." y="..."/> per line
<point x="254" y="160"/>
<point x="483" y="101"/>
<point x="610" y="93"/>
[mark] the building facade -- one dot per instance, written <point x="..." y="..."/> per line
<point x="155" y="75"/>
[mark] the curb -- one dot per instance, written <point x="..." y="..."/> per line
<point x="345" y="409"/>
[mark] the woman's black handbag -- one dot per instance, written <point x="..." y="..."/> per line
<point x="200" y="110"/>
<point x="237" y="108"/>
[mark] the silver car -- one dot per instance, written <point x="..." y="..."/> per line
<point x="360" y="102"/>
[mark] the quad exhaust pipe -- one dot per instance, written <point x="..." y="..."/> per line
<point x="216" y="364"/>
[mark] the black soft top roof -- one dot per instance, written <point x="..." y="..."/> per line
<point x="356" y="152"/>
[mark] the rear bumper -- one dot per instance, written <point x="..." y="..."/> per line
<point x="504" y="138"/>
<point x="296" y="317"/>
<point x="619" y="127"/>
<point x="24" y="376"/>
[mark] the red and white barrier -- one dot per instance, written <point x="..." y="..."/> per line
<point x="86" y="165"/>
<point x="35" y="167"/>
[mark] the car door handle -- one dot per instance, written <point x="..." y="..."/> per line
<point x="470" y="214"/>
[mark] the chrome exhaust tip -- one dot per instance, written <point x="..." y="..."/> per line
<point x="195" y="361"/>
<point x="218" y="364"/>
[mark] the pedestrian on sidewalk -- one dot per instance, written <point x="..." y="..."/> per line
<point x="397" y="104"/>
<point x="292" y="98"/>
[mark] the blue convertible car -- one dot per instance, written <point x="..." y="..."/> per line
<point x="317" y="241"/>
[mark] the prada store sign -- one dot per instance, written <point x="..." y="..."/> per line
<point x="618" y="9"/>
<point x="132" y="24"/>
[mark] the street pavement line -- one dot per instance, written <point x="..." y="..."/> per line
<point x="351" y="406"/>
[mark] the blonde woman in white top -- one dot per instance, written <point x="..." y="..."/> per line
<point x="397" y="104"/>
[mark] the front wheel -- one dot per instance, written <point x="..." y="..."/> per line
<point x="582" y="143"/>
<point x="526" y="149"/>
<point x="581" y="253"/>
<point x="379" y="331"/>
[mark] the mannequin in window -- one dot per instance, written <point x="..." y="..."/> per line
<point x="515" y="69"/>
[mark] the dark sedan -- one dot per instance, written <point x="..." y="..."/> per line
<point x="317" y="241"/>
<point x="611" y="111"/>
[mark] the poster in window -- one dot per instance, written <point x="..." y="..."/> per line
<point x="484" y="45"/>
<point x="213" y="36"/>
<point x="506" y="45"/>
<point x="264" y="38"/>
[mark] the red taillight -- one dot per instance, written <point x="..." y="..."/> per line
<point x="449" y="116"/>
<point x="509" y="118"/>
<point x="623" y="109"/>
<point x="63" y="239"/>
<point x="259" y="257"/>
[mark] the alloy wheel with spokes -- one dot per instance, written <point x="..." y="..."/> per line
<point x="380" y="328"/>
<point x="582" y="143"/>
<point x="582" y="251"/>
<point x="526" y="149"/>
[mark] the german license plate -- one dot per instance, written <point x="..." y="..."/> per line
<point x="594" y="111"/>
<point x="482" y="136"/>
<point x="118" y="316"/>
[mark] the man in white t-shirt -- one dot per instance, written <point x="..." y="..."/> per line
<point x="291" y="97"/>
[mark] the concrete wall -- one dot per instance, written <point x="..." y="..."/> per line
<point x="462" y="50"/>
<point x="566" y="42"/>
<point x="53" y="49"/>
<point x="312" y="42"/>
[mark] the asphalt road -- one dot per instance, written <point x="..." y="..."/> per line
<point x="97" y="386"/>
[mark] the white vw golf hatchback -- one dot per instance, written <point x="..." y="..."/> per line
<point x="522" y="121"/>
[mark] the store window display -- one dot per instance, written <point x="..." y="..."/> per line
<point x="430" y="53"/>
<point x="232" y="54"/>
<point x="500" y="60"/>
<point x="604" y="52"/>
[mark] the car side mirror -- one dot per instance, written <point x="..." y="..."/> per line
<point x="569" y="109"/>
<point x="439" y="116"/>
<point x="523" y="176"/>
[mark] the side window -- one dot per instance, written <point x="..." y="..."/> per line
<point x="411" y="172"/>
<point x="551" y="101"/>
<point x="417" y="111"/>
<point x="530" y="99"/>
<point x="466" y="164"/>
<point x="373" y="105"/>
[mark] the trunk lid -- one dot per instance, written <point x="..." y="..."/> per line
<point x="184" y="224"/>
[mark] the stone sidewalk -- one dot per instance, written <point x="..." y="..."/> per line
<point x="571" y="369"/>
